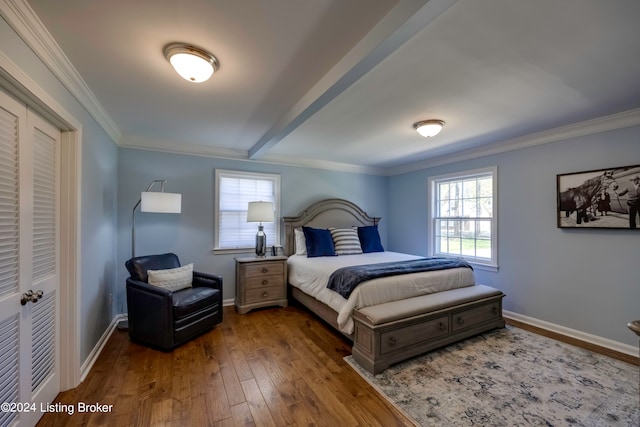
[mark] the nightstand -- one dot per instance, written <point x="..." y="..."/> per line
<point x="260" y="282"/>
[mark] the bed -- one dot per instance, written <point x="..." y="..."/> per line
<point x="389" y="318"/>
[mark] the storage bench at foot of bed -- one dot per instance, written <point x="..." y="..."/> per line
<point x="395" y="331"/>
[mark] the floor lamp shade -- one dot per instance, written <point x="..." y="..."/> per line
<point x="160" y="202"/>
<point x="154" y="201"/>
<point x="260" y="212"/>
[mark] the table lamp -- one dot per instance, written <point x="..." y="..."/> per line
<point x="260" y="212"/>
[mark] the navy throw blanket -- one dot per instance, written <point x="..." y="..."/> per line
<point x="344" y="280"/>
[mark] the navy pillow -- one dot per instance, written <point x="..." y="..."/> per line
<point x="319" y="242"/>
<point x="370" y="239"/>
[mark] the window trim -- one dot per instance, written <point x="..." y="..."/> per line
<point x="490" y="265"/>
<point x="243" y="174"/>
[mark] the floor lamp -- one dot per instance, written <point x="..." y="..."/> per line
<point x="152" y="201"/>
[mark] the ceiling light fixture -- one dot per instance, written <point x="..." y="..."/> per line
<point x="428" y="128"/>
<point x="192" y="63"/>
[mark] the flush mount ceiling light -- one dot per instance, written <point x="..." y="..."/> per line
<point x="428" y="128"/>
<point x="192" y="63"/>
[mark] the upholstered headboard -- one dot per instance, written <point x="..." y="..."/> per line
<point x="326" y="213"/>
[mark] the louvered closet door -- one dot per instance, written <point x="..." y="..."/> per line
<point x="29" y="236"/>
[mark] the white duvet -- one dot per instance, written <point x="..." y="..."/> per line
<point x="311" y="276"/>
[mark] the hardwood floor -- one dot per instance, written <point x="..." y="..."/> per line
<point x="270" y="367"/>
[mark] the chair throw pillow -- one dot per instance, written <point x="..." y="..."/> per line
<point x="172" y="279"/>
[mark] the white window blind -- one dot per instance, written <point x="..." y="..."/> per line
<point x="234" y="191"/>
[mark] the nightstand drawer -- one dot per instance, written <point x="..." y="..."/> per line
<point x="264" y="268"/>
<point x="264" y="281"/>
<point x="265" y="294"/>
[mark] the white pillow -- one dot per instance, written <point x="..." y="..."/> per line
<point x="301" y="243"/>
<point x="346" y="241"/>
<point x="172" y="279"/>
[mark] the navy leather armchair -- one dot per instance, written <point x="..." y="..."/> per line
<point x="165" y="319"/>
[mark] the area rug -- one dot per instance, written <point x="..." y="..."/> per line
<point x="511" y="377"/>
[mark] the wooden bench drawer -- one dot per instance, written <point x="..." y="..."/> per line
<point x="413" y="334"/>
<point x="473" y="316"/>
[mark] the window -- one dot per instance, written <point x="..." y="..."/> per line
<point x="234" y="190"/>
<point x="463" y="218"/>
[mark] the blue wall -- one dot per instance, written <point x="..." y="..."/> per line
<point x="190" y="234"/>
<point x="585" y="280"/>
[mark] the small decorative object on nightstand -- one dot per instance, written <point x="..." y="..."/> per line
<point x="260" y="282"/>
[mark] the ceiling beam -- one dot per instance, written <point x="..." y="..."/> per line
<point x="403" y="22"/>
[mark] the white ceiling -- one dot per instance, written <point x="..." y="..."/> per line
<point x="339" y="83"/>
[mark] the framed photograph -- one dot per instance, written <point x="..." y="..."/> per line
<point x="604" y="198"/>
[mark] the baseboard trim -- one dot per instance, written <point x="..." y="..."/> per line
<point x="95" y="353"/>
<point x="614" y="349"/>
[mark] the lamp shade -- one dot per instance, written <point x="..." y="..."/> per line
<point x="160" y="202"/>
<point x="260" y="212"/>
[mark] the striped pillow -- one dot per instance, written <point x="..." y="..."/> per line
<point x="345" y="241"/>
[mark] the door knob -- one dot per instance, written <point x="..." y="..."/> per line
<point x="30" y="296"/>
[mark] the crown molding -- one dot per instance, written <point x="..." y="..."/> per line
<point x="144" y="143"/>
<point x="139" y="142"/>
<point x="21" y="17"/>
<point x="576" y="130"/>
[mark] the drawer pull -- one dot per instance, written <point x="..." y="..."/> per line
<point x="494" y="310"/>
<point x="392" y="341"/>
<point x="442" y="326"/>
<point x="265" y="270"/>
<point x="460" y="321"/>
<point x="264" y="282"/>
<point x="265" y="294"/>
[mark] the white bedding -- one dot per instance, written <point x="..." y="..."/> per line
<point x="311" y="276"/>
